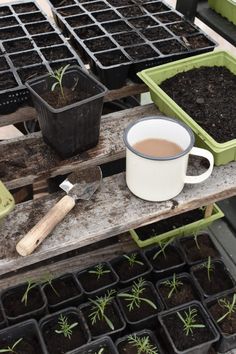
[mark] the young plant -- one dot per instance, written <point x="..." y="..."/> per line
<point x="173" y="284"/>
<point x="162" y="244"/>
<point x="210" y="268"/>
<point x="58" y="76"/>
<point x="11" y="349"/>
<point x="101" y="350"/>
<point x="135" y="298"/>
<point x="99" y="307"/>
<point x="230" y="307"/>
<point x="189" y="321"/>
<point x="30" y="286"/>
<point x="195" y="236"/>
<point x="99" y="271"/>
<point x="132" y="259"/>
<point x="65" y="327"/>
<point x="142" y="344"/>
<point x="47" y="280"/>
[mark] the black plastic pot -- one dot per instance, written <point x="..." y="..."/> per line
<point x="172" y="316"/>
<point x="74" y="128"/>
<point x="36" y="305"/>
<point x="113" y="309"/>
<point x="160" y="271"/>
<point x="186" y="279"/>
<point x="192" y="253"/>
<point x="222" y="282"/>
<point x="58" y="343"/>
<point x="30" y="334"/>
<point x="95" y="346"/>
<point x="148" y="321"/>
<point x="120" y="343"/>
<point x="104" y="283"/>
<point x="64" y="292"/>
<point x="127" y="273"/>
<point x="227" y="340"/>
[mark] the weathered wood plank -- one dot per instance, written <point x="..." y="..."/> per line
<point x="112" y="210"/>
<point x="24" y="159"/>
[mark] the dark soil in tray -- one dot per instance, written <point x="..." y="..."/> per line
<point x="90" y="282"/>
<point x="89" y="32"/>
<point x="13" y="305"/>
<point x="7" y="81"/>
<point x="25" y="59"/>
<point x="156" y="33"/>
<point x="65" y="288"/>
<point x="79" y="21"/>
<point x="129" y="38"/>
<point x="101" y="327"/>
<point x="118" y="3"/>
<point x="36" y="17"/>
<point x="18" y="45"/>
<point x="127" y="348"/>
<point x="181" y="341"/>
<point x="5" y="11"/>
<point x="208" y="95"/>
<point x="141" y="52"/>
<point x="96" y="6"/>
<point x="47" y="40"/>
<point x="58" y="343"/>
<point x="112" y="58"/>
<point x="105" y="16"/>
<point x="56" y="53"/>
<point x="3" y="64"/>
<point x="198" y="41"/>
<point x="182" y="29"/>
<point x="131" y="11"/>
<point x="206" y="248"/>
<point x="220" y="280"/>
<point x="41" y="27"/>
<point x="171" y="259"/>
<point x="27" y="7"/>
<point x="69" y="11"/>
<point x="170" y="47"/>
<point x="60" y="3"/>
<point x="116" y="26"/>
<point x="8" y="22"/>
<point x="9" y="33"/>
<point x="26" y="346"/>
<point x="228" y="324"/>
<point x="99" y="44"/>
<point x="126" y="271"/>
<point x="143" y="22"/>
<point x="184" y="294"/>
<point x="31" y="72"/>
<point x="146" y="232"/>
<point x="168" y="17"/>
<point x="156" y="7"/>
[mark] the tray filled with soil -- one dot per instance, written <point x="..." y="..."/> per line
<point x="25" y="38"/>
<point x="64" y="331"/>
<point x="128" y="25"/>
<point x="180" y="225"/>
<point x="102" y="345"/>
<point x="188" y="329"/>
<point x="201" y="81"/>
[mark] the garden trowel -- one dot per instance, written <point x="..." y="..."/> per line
<point x="81" y="184"/>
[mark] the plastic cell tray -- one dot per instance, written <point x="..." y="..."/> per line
<point x="30" y="45"/>
<point x="118" y="41"/>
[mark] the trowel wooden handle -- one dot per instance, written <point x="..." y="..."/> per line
<point x="45" y="226"/>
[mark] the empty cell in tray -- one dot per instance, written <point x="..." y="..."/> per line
<point x="156" y="33"/>
<point x="79" y="21"/>
<point x="31" y="72"/>
<point x="112" y="57"/>
<point x="131" y="11"/>
<point x="47" y="40"/>
<point x="89" y="32"/>
<point x="103" y="16"/>
<point x="170" y="47"/>
<point x="41" y="27"/>
<point x="128" y="38"/>
<point x="70" y="11"/>
<point x="182" y="28"/>
<point x="155" y="7"/>
<point x="62" y="3"/>
<point x="56" y="53"/>
<point x="141" y="52"/>
<point x="25" y="59"/>
<point x="197" y="41"/>
<point x="5" y="11"/>
<point x="143" y="22"/>
<point x="95" y="6"/>
<point x="25" y="7"/>
<point x="116" y="26"/>
<point x="3" y="64"/>
<point x="13" y="32"/>
<point x="8" y="22"/>
<point x="168" y="17"/>
<point x="35" y="17"/>
<point x="118" y="3"/>
<point x="7" y="81"/>
<point x="18" y="45"/>
<point x="99" y="44"/>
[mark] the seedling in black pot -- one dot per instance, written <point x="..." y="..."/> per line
<point x="189" y="321"/>
<point x="103" y="345"/>
<point x="58" y="76"/>
<point x="142" y="344"/>
<point x="173" y="284"/>
<point x="64" y="327"/>
<point x="13" y="348"/>
<point x="99" y="270"/>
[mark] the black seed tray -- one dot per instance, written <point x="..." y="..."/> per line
<point x="118" y="41"/>
<point x="30" y="45"/>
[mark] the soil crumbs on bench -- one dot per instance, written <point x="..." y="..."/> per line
<point x="208" y="95"/>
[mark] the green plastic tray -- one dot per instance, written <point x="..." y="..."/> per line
<point x="6" y="201"/>
<point x="226" y="8"/>
<point x="223" y="152"/>
<point x="185" y="230"/>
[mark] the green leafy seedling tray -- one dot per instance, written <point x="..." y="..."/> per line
<point x="7" y="202"/>
<point x="226" y="8"/>
<point x="153" y="77"/>
<point x="185" y="230"/>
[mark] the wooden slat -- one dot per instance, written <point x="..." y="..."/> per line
<point x="24" y="159"/>
<point x="112" y="210"/>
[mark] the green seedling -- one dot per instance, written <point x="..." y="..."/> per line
<point x="195" y="237"/>
<point x="230" y="308"/>
<point x="47" y="280"/>
<point x="11" y="349"/>
<point x="135" y="298"/>
<point x="142" y="344"/>
<point x="174" y="285"/>
<point x="101" y="350"/>
<point x="210" y="267"/>
<point x="99" y="271"/>
<point x="162" y="244"/>
<point x="132" y="259"/>
<point x="189" y="321"/>
<point x="30" y="286"/>
<point x="58" y="76"/>
<point x="65" y="327"/>
<point x="99" y="306"/>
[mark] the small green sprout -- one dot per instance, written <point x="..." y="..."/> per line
<point x="65" y="327"/>
<point x="132" y="259"/>
<point x="230" y="308"/>
<point x="99" y="271"/>
<point x="142" y="344"/>
<point x="99" y="307"/>
<point x="101" y="350"/>
<point x="173" y="284"/>
<point x="189" y="321"/>
<point x="30" y="286"/>
<point x="195" y="237"/>
<point x="210" y="267"/>
<point x="58" y="76"/>
<point x="47" y="280"/>
<point x="135" y="298"/>
<point x="11" y="349"/>
<point x="162" y="244"/>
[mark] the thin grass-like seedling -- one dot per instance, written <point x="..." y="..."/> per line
<point x="189" y="321"/>
<point x="30" y="286"/>
<point x="162" y="244"/>
<point x="132" y="259"/>
<point x="230" y="308"/>
<point x="47" y="280"/>
<point x="65" y="327"/>
<point x="209" y="267"/>
<point x="11" y="349"/>
<point x="99" y="306"/>
<point x="142" y="344"/>
<point x="58" y="76"/>
<point x="174" y="285"/>
<point x="99" y="271"/>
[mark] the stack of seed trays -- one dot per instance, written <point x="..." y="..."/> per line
<point x="118" y="41"/>
<point x="30" y="45"/>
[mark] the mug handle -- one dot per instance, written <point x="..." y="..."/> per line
<point x="208" y="155"/>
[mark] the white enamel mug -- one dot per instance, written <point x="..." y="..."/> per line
<point x="161" y="178"/>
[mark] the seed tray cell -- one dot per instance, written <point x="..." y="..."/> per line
<point x="89" y="32"/>
<point x="70" y="11"/>
<point x="60" y="3"/>
<point x="105" y="16"/>
<point x="131" y="11"/>
<point x="95" y="6"/>
<point x="143" y="22"/>
<point x="102" y="43"/>
<point x="29" y="45"/>
<point x="129" y="38"/>
<point x="171" y="46"/>
<point x="168" y="17"/>
<point x="79" y="21"/>
<point x="156" y="33"/>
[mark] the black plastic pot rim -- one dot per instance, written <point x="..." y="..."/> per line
<point x="44" y="77"/>
<point x="103" y="340"/>
<point x="139" y="333"/>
